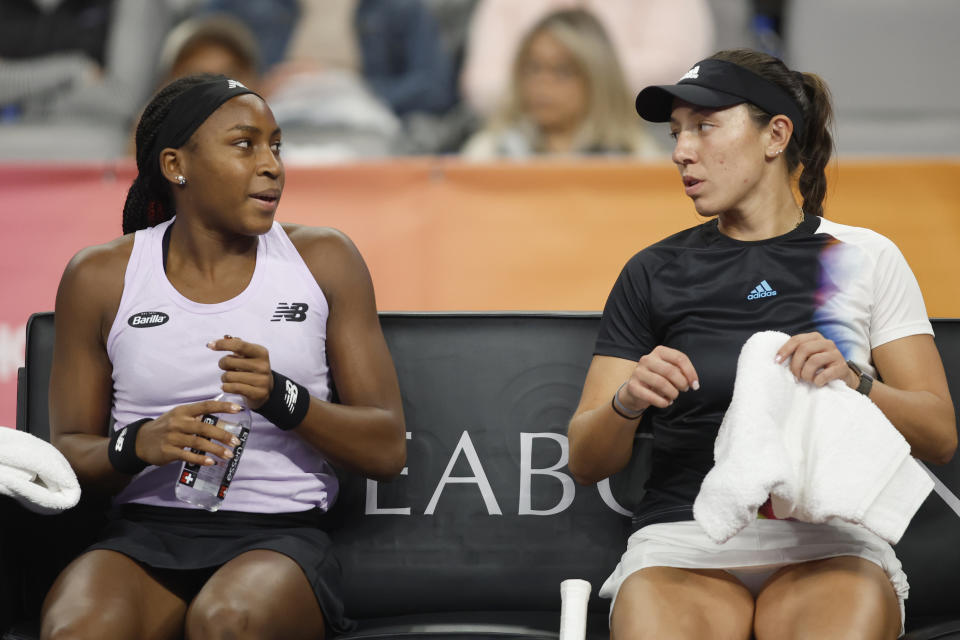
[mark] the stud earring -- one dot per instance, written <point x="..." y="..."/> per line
<point x="181" y="180"/>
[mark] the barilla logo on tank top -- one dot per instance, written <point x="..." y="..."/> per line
<point x="762" y="290"/>
<point x="148" y="319"/>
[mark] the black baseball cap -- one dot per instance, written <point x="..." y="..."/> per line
<point x="717" y="84"/>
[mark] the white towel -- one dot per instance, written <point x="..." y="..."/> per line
<point x="819" y="453"/>
<point x="35" y="473"/>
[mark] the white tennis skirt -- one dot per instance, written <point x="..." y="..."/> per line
<point x="754" y="554"/>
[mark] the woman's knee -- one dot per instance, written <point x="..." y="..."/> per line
<point x="225" y="617"/>
<point x="660" y="602"/>
<point x="87" y="623"/>
<point x="843" y="597"/>
<point x="85" y="602"/>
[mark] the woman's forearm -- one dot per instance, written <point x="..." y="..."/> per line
<point x="369" y="440"/>
<point x="926" y="420"/>
<point x="600" y="444"/>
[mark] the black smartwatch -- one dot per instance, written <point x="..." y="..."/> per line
<point x="866" y="382"/>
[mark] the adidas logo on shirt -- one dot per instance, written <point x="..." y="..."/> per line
<point x="762" y="290"/>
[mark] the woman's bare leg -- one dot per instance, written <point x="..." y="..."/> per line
<point x="664" y="602"/>
<point x="259" y="594"/>
<point x="104" y="595"/>
<point x="845" y="597"/>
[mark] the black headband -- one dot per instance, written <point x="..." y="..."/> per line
<point x="716" y="84"/>
<point x="189" y="110"/>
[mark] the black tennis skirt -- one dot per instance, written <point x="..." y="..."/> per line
<point x="186" y="546"/>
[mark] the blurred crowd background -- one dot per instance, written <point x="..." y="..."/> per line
<point x="350" y="80"/>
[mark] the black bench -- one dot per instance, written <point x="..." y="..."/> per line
<point x="474" y="539"/>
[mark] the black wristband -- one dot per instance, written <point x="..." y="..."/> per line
<point x="123" y="448"/>
<point x="287" y="404"/>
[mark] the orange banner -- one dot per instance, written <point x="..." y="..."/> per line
<point x="438" y="234"/>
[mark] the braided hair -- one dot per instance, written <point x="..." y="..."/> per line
<point x="150" y="200"/>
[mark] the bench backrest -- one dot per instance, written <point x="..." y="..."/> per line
<point x="486" y="517"/>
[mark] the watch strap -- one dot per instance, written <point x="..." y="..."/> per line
<point x="866" y="381"/>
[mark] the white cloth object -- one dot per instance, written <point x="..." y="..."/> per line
<point x="819" y="452"/>
<point x="35" y="473"/>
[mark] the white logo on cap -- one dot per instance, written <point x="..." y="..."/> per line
<point x="233" y="84"/>
<point x="693" y="74"/>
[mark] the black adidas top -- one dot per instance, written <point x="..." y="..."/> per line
<point x="704" y="293"/>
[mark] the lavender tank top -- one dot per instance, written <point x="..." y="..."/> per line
<point x="157" y="346"/>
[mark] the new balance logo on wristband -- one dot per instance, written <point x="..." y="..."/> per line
<point x="118" y="446"/>
<point x="291" y="396"/>
<point x="290" y="312"/>
<point x="762" y="290"/>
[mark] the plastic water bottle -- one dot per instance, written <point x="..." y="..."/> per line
<point x="206" y="485"/>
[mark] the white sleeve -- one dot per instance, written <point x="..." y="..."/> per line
<point x="898" y="309"/>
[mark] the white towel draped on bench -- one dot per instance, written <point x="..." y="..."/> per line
<point x="819" y="453"/>
<point x="35" y="473"/>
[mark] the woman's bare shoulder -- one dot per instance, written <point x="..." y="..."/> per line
<point x="94" y="276"/>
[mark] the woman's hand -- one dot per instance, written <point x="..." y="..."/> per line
<point x="171" y="436"/>
<point x="658" y="379"/>
<point x="816" y="359"/>
<point x="247" y="369"/>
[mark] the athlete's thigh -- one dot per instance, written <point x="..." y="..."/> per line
<point x="258" y="594"/>
<point x="104" y="595"/>
<point x="664" y="602"/>
<point x="842" y="597"/>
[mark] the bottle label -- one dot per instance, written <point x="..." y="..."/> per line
<point x="233" y="462"/>
<point x="188" y="477"/>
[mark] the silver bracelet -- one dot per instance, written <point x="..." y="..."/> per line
<point x="619" y="407"/>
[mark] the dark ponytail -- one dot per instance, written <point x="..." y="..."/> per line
<point x="150" y="200"/>
<point x="810" y="149"/>
<point x="817" y="143"/>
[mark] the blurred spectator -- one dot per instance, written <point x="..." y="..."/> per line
<point x="394" y="44"/>
<point x="73" y="74"/>
<point x="656" y="40"/>
<point x="212" y="43"/>
<point x="444" y="132"/>
<point x="733" y="24"/>
<point x="404" y="59"/>
<point x="272" y="21"/>
<point x="348" y="72"/>
<point x="567" y="96"/>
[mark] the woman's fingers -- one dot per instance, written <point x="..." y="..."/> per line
<point x="239" y="363"/>
<point x="172" y="435"/>
<point x="680" y="360"/>
<point x="813" y="358"/>
<point x="659" y="377"/>
<point x="256" y="394"/>
<point x="240" y="347"/>
<point x="205" y="445"/>
<point x="199" y="409"/>
<point x="644" y="395"/>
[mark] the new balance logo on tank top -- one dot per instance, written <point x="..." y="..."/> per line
<point x="157" y="346"/>
<point x="704" y="294"/>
